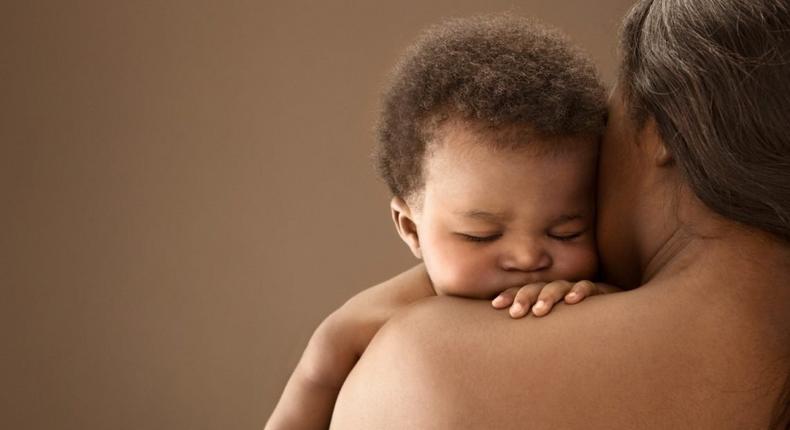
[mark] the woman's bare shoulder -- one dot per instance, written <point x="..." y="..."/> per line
<point x="455" y="363"/>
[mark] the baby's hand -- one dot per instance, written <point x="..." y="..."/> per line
<point x="540" y="297"/>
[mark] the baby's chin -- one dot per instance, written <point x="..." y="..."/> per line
<point x="479" y="290"/>
<point x="485" y="289"/>
<point x="479" y="295"/>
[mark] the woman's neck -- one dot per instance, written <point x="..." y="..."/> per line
<point x="736" y="264"/>
<point x="695" y="242"/>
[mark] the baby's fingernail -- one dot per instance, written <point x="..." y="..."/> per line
<point x="498" y="301"/>
<point x="539" y="306"/>
<point x="516" y="309"/>
<point x="572" y="296"/>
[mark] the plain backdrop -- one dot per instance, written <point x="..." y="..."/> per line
<point x="187" y="191"/>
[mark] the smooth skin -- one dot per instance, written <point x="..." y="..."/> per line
<point x="701" y="343"/>
<point x="490" y="218"/>
<point x="491" y="223"/>
<point x="336" y="345"/>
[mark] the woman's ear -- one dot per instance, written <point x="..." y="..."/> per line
<point x="651" y="138"/>
<point x="403" y="218"/>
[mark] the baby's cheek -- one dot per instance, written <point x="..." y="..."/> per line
<point x="458" y="273"/>
<point x="587" y="264"/>
<point x="450" y="276"/>
<point x="579" y="263"/>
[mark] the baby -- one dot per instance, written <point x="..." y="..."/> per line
<point x="488" y="140"/>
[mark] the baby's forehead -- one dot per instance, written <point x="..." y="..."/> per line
<point x="468" y="165"/>
<point x="460" y="169"/>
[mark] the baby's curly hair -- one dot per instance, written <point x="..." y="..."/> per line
<point x="499" y="72"/>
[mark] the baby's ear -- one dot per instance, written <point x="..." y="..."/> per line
<point x="403" y="217"/>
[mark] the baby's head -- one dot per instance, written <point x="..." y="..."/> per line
<point x="488" y="141"/>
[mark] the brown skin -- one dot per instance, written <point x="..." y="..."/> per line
<point x="489" y="219"/>
<point x="700" y="344"/>
<point x="340" y="340"/>
<point x="543" y="231"/>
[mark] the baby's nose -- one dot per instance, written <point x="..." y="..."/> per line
<point x="526" y="258"/>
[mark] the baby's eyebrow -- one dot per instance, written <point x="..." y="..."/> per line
<point x="484" y="215"/>
<point x="567" y="217"/>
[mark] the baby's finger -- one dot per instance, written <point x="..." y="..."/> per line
<point x="581" y="290"/>
<point x="552" y="293"/>
<point x="505" y="298"/>
<point x="524" y="299"/>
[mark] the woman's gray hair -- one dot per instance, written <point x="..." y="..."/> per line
<point x="715" y="75"/>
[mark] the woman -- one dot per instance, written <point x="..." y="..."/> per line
<point x="694" y="210"/>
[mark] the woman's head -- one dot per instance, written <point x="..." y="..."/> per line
<point x="714" y="74"/>
<point x="707" y="80"/>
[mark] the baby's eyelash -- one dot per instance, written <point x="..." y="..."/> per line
<point x="471" y="238"/>
<point x="568" y="237"/>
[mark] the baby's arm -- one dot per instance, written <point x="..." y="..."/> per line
<point x="540" y="297"/>
<point x="309" y="397"/>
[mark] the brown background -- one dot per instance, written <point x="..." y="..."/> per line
<point x="186" y="192"/>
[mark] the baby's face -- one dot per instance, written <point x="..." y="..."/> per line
<point x="493" y="219"/>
